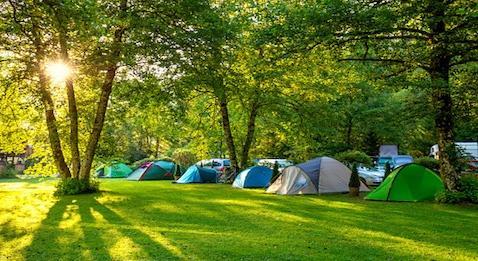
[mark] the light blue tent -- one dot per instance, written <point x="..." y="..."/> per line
<point x="253" y="177"/>
<point x="196" y="174"/>
<point x="154" y="171"/>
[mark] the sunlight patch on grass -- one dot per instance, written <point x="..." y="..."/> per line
<point x="160" y="220"/>
<point x="21" y="212"/>
<point x="401" y="245"/>
<point x="71" y="218"/>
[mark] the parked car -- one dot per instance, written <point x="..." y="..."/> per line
<point x="473" y="166"/>
<point x="283" y="163"/>
<point x="220" y="165"/>
<point x="395" y="161"/>
<point x="371" y="176"/>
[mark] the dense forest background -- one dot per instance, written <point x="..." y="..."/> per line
<point x="265" y="79"/>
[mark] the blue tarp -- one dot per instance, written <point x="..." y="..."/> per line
<point x="196" y="174"/>
<point x="253" y="177"/>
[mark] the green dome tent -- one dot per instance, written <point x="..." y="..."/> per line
<point x="410" y="182"/>
<point x="157" y="170"/>
<point x="118" y="170"/>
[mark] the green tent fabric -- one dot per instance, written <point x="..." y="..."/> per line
<point x="410" y="182"/>
<point x="158" y="170"/>
<point x="118" y="170"/>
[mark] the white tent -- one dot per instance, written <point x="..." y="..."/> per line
<point x="319" y="175"/>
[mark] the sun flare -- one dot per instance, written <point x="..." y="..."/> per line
<point x="58" y="71"/>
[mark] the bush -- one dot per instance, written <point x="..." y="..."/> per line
<point x="184" y="157"/>
<point x="428" y="162"/>
<point x="352" y="156"/>
<point x="8" y="172"/>
<point x="354" y="181"/>
<point x="76" y="186"/>
<point x="467" y="192"/>
<point x="275" y="172"/>
<point x="388" y="169"/>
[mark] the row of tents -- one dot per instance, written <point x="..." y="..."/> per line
<point x="410" y="182"/>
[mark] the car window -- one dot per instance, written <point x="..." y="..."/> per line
<point x="227" y="163"/>
<point x="402" y="160"/>
<point x="207" y="164"/>
<point x="382" y="161"/>
<point x="216" y="164"/>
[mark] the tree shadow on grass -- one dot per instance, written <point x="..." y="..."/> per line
<point x="71" y="231"/>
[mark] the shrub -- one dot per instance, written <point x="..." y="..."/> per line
<point x="184" y="157"/>
<point x="352" y="156"/>
<point x="388" y="169"/>
<point x="428" y="162"/>
<point x="76" y="186"/>
<point x="354" y="181"/>
<point x="275" y="171"/>
<point x="467" y="192"/>
<point x="8" y="172"/>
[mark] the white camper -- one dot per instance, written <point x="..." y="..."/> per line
<point x="470" y="148"/>
<point x="388" y="150"/>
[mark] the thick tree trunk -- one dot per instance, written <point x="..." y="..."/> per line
<point x="54" y="138"/>
<point x="227" y="131"/>
<point x="250" y="133"/>
<point x="439" y="74"/>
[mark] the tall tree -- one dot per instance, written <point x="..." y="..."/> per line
<point x="435" y="36"/>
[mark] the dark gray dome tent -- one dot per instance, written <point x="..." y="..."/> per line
<point x="316" y="176"/>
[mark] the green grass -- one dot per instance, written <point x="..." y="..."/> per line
<point x="160" y="220"/>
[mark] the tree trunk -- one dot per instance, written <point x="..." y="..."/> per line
<point x="348" y="137"/>
<point x="439" y="74"/>
<point x="98" y="124"/>
<point x="54" y="138"/>
<point x="250" y="133"/>
<point x="72" y="109"/>
<point x="227" y="131"/>
<point x="106" y="89"/>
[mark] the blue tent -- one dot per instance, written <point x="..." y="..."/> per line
<point x="253" y="177"/>
<point x="196" y="174"/>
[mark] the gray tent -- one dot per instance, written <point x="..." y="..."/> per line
<point x="319" y="175"/>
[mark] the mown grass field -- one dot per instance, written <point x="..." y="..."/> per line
<point x="158" y="220"/>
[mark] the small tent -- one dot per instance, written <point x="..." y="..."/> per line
<point x="319" y="175"/>
<point x="157" y="170"/>
<point x="196" y="174"/>
<point x="253" y="177"/>
<point x="410" y="182"/>
<point x="118" y="170"/>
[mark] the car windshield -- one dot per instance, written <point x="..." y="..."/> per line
<point x="382" y="161"/>
<point x="402" y="160"/>
<point x="216" y="164"/>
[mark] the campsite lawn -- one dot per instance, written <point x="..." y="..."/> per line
<point x="159" y="220"/>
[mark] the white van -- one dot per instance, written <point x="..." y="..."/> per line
<point x="283" y="163"/>
<point x="470" y="148"/>
<point x="220" y="165"/>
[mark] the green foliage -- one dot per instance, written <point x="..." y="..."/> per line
<point x="184" y="157"/>
<point x="354" y="181"/>
<point x="275" y="172"/>
<point x="71" y="186"/>
<point x="467" y="191"/>
<point x="354" y="157"/>
<point x="388" y="170"/>
<point x="8" y="171"/>
<point x="428" y="162"/>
